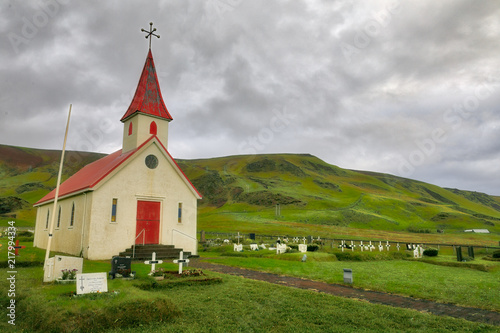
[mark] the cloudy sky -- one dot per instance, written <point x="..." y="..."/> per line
<point x="406" y="88"/>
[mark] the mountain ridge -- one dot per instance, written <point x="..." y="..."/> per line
<point x="274" y="187"/>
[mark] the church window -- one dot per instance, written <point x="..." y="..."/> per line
<point x="179" y="213"/>
<point x="47" y="222"/>
<point x="72" y="215"/>
<point x="130" y="129"/>
<point x="151" y="161"/>
<point x="152" y="128"/>
<point x="59" y="217"/>
<point x="113" y="210"/>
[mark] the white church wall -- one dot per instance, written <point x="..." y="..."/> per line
<point x="66" y="238"/>
<point x="134" y="181"/>
<point x="141" y="131"/>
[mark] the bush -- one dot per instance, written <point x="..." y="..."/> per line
<point x="431" y="252"/>
<point x="496" y="254"/>
<point x="294" y="246"/>
<point x="312" y="247"/>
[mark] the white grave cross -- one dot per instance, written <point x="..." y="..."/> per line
<point x="153" y="262"/>
<point x="181" y="261"/>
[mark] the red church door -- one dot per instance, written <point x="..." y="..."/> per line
<point x="148" y="222"/>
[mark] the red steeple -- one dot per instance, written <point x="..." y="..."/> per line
<point x="147" y="98"/>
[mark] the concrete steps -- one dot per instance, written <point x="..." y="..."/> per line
<point x="145" y="252"/>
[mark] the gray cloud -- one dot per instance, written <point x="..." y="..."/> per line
<point x="409" y="88"/>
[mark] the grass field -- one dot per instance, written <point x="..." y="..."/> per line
<point x="243" y="305"/>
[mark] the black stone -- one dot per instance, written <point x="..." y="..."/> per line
<point x="121" y="265"/>
<point x="459" y="253"/>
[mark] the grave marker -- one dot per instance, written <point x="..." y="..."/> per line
<point x="181" y="261"/>
<point x="54" y="266"/>
<point x="459" y="253"/>
<point x="280" y="248"/>
<point x="302" y="248"/>
<point x="471" y="251"/>
<point x="122" y="266"/>
<point x="254" y="247"/>
<point x="153" y="262"/>
<point x="17" y="247"/>
<point x="238" y="247"/>
<point x="91" y="283"/>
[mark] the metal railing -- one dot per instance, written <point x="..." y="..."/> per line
<point x="143" y="232"/>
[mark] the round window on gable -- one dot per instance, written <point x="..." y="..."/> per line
<point x="151" y="161"/>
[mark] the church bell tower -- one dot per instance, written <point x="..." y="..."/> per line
<point x="147" y="114"/>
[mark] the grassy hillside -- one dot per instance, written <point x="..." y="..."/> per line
<point x="247" y="189"/>
<point x="243" y="193"/>
<point x="26" y="175"/>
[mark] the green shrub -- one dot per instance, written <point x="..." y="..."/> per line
<point x="294" y="246"/>
<point x="431" y="252"/>
<point x="496" y="254"/>
<point x="312" y="247"/>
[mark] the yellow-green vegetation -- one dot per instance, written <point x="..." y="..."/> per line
<point x="232" y="304"/>
<point x="442" y="278"/>
<point x="240" y="193"/>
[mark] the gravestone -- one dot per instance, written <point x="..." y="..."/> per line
<point x="202" y="237"/>
<point x="91" y="283"/>
<point x="254" y="247"/>
<point x="459" y="253"/>
<point x="471" y="251"/>
<point x="309" y="239"/>
<point x="55" y="265"/>
<point x="121" y="266"/>
<point x="417" y="252"/>
<point x="238" y="247"/>
<point x="348" y="275"/>
<point x="252" y="236"/>
<point x="304" y="258"/>
<point x="302" y="248"/>
<point x="280" y="248"/>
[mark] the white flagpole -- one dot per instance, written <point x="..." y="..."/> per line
<point x="54" y="209"/>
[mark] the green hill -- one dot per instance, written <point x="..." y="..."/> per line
<point x="259" y="191"/>
<point x="242" y="189"/>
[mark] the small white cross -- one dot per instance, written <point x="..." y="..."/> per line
<point x="181" y="261"/>
<point x="49" y="265"/>
<point x="153" y="262"/>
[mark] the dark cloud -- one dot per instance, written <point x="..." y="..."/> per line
<point x="409" y="88"/>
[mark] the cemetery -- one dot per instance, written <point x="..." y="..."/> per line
<point x="110" y="291"/>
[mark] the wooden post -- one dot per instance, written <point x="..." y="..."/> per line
<point x="54" y="209"/>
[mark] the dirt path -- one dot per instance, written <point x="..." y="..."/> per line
<point x="441" y="309"/>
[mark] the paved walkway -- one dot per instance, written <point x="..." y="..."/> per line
<point x="441" y="309"/>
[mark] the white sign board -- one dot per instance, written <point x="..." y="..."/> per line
<point x="91" y="283"/>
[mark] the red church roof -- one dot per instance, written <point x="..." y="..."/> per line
<point x="92" y="174"/>
<point x="147" y="98"/>
<point x="89" y="175"/>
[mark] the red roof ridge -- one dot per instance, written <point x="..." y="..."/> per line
<point x="92" y="174"/>
<point x="147" y="98"/>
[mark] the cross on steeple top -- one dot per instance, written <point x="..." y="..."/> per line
<point x="150" y="33"/>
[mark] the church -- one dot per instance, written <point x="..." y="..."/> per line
<point x="137" y="195"/>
